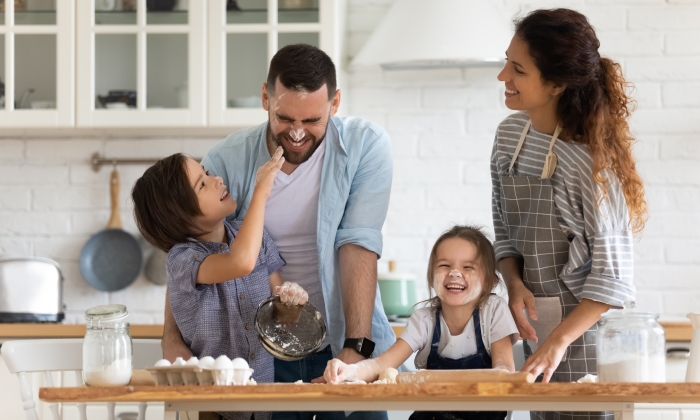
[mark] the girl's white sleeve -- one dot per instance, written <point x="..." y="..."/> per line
<point x="502" y="323"/>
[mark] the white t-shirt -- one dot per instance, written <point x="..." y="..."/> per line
<point x="291" y="216"/>
<point x="496" y="323"/>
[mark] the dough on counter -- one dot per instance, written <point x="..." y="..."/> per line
<point x="355" y="382"/>
<point x="299" y="382"/>
<point x="389" y="375"/>
<point x="588" y="379"/>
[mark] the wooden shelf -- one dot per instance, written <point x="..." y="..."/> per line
<point x="10" y="331"/>
<point x="675" y="331"/>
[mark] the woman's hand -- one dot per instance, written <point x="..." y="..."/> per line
<point x="291" y="293"/>
<point x="545" y="359"/>
<point x="337" y="371"/>
<point x="266" y="174"/>
<point x="520" y="298"/>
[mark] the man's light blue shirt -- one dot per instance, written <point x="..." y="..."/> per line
<point x="352" y="203"/>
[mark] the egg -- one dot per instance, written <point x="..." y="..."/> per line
<point x="206" y="362"/>
<point x="223" y="362"/>
<point x="192" y="361"/>
<point x="179" y="362"/>
<point x="239" y="363"/>
<point x="163" y="362"/>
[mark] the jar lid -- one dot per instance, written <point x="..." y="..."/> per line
<point x="103" y="313"/>
<point x="628" y="311"/>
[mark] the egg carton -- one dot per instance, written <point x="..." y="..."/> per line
<point x="195" y="375"/>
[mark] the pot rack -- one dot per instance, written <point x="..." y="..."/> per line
<point x="97" y="161"/>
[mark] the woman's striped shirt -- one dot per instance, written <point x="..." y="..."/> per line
<point x="600" y="262"/>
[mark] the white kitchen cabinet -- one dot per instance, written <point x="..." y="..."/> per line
<point x="157" y="59"/>
<point x="242" y="42"/>
<point x="37" y="63"/>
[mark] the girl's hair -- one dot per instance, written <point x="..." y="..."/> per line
<point x="485" y="255"/>
<point x="594" y="107"/>
<point x="165" y="205"/>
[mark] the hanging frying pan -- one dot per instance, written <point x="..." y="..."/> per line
<point x="111" y="259"/>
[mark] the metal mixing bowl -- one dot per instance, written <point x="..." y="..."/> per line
<point x="289" y="332"/>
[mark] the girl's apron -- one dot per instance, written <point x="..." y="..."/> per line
<point x="529" y="214"/>
<point x="480" y="360"/>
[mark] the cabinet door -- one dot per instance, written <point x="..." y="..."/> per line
<point x="243" y="40"/>
<point x="140" y="66"/>
<point x="36" y="63"/>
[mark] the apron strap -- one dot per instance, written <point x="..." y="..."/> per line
<point x="520" y="145"/>
<point x="550" y="160"/>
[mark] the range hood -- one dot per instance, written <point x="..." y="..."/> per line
<point x="426" y="34"/>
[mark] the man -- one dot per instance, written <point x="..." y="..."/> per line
<point x="325" y="211"/>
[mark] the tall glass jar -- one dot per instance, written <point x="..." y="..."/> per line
<point x="107" y="349"/>
<point x="630" y="347"/>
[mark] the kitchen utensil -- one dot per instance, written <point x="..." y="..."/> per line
<point x="289" y="332"/>
<point x="23" y="99"/>
<point x="127" y="97"/>
<point x="398" y="291"/>
<point x="160" y="5"/>
<point x="631" y="347"/>
<point x="693" y="372"/>
<point x="128" y="5"/>
<point x="111" y="259"/>
<point x="31" y="290"/>
<point x="467" y="375"/>
<point x="155" y="267"/>
<point x="107" y="347"/>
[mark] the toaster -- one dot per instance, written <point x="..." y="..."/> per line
<point x="31" y="290"/>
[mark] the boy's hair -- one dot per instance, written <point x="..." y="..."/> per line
<point x="302" y="67"/>
<point x="165" y="204"/>
<point x="485" y="255"/>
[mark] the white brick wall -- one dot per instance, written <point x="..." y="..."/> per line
<point x="658" y="44"/>
<point x="442" y="125"/>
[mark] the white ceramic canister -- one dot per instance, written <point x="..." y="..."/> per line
<point x="107" y="348"/>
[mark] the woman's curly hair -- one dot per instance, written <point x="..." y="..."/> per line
<point x="594" y="107"/>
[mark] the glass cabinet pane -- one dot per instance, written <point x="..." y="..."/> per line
<point x="166" y="12"/>
<point x="115" y="71"/>
<point x="289" y="38"/>
<point x="246" y="65"/>
<point x="246" y="11"/>
<point x="297" y="11"/>
<point x="34" y="12"/>
<point x="35" y="71"/>
<point x="2" y="71"/>
<point x="115" y="12"/>
<point x="166" y="71"/>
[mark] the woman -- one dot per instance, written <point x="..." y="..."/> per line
<point x="566" y="194"/>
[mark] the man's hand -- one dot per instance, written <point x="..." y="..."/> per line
<point x="347" y="356"/>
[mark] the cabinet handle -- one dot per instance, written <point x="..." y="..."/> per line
<point x="677" y="353"/>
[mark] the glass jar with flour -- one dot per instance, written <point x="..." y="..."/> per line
<point x="107" y="348"/>
<point x="631" y="347"/>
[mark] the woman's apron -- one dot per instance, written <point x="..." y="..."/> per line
<point x="480" y="360"/>
<point x="529" y="214"/>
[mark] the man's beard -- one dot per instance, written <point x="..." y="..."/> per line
<point x="295" y="158"/>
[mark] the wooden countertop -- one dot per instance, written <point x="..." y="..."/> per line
<point x="442" y="392"/>
<point x="675" y="331"/>
<point x="9" y="331"/>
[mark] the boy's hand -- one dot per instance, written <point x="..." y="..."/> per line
<point x="337" y="371"/>
<point x="265" y="176"/>
<point x="292" y="294"/>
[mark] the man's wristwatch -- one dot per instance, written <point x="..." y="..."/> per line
<point x="362" y="345"/>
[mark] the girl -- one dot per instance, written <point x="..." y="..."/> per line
<point x="463" y="327"/>
<point x="566" y="194"/>
<point x="218" y="272"/>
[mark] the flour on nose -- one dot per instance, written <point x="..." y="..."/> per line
<point x="297" y="135"/>
<point x="456" y="273"/>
